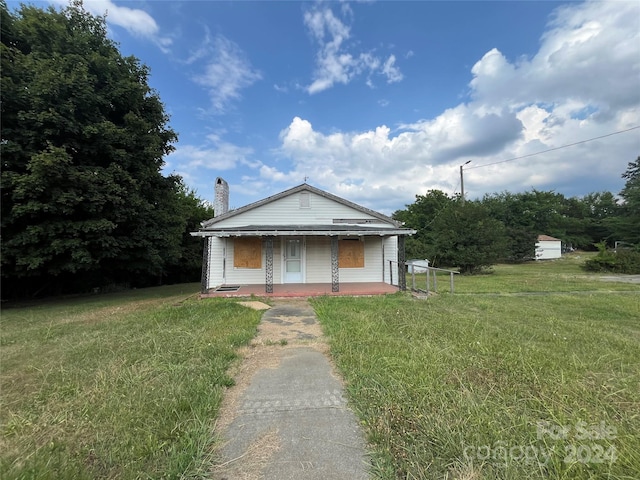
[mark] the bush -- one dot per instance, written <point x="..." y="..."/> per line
<point x="622" y="261"/>
<point x="629" y="260"/>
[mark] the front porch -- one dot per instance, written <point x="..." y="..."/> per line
<point x="302" y="290"/>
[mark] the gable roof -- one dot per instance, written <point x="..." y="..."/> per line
<point x="300" y="188"/>
<point x="547" y="238"/>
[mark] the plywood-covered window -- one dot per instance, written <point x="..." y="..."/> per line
<point x="247" y="252"/>
<point x="351" y="253"/>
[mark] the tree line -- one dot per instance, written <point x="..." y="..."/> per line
<point x="84" y="203"/>
<point x="499" y="227"/>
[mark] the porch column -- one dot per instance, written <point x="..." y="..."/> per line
<point x="402" y="274"/>
<point x="335" y="273"/>
<point x="206" y="258"/>
<point x="268" y="243"/>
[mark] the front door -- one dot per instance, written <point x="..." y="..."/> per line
<point x="292" y="260"/>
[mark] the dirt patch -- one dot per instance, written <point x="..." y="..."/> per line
<point x="622" y="278"/>
<point x="255" y="305"/>
<point x="101" y="314"/>
<point x="251" y="463"/>
<point x="466" y="472"/>
<point x="288" y="324"/>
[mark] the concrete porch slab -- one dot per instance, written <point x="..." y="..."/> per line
<point x="307" y="290"/>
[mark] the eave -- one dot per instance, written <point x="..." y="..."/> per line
<point x="303" y="230"/>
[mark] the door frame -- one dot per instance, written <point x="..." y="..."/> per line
<point x="303" y="258"/>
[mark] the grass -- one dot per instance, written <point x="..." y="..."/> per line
<point x="562" y="275"/>
<point x="116" y="386"/>
<point x="540" y="381"/>
<point x="496" y="387"/>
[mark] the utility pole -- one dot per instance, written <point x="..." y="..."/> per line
<point x="462" y="180"/>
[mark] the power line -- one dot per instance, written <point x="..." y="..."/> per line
<point x="455" y="190"/>
<point x="553" y="149"/>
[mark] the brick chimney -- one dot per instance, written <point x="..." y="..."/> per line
<point x="221" y="202"/>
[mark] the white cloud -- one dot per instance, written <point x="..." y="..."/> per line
<point x="134" y="20"/>
<point x="227" y="72"/>
<point x="214" y="154"/>
<point x="590" y="54"/>
<point x="334" y="62"/>
<point x="582" y="83"/>
<point x="201" y="51"/>
<point x="392" y="72"/>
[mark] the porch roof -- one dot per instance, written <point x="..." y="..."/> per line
<point x="300" y="230"/>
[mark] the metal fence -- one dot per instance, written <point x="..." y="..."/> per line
<point x="423" y="282"/>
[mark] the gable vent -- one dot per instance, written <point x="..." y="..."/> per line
<point x="305" y="200"/>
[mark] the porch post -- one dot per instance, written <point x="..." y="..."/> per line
<point x="335" y="272"/>
<point x="206" y="257"/>
<point x="402" y="274"/>
<point x="269" y="264"/>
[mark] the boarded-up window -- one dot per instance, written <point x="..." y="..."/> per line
<point x="351" y="253"/>
<point x="247" y="252"/>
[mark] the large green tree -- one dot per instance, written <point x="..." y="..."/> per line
<point x="188" y="266"/>
<point x="514" y="212"/>
<point x="451" y="233"/>
<point x="577" y="221"/>
<point x="466" y="236"/>
<point x="628" y="226"/>
<point x="586" y="220"/>
<point x="420" y="216"/>
<point x="84" y="202"/>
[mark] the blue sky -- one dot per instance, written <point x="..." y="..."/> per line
<point x="379" y="101"/>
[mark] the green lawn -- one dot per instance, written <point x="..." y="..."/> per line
<point x="116" y="386"/>
<point x="562" y="275"/>
<point x="481" y="386"/>
<point x="468" y="386"/>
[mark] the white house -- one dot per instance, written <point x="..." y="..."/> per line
<point x="548" y="247"/>
<point x="300" y="236"/>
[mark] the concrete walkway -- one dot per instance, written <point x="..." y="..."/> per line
<point x="287" y="417"/>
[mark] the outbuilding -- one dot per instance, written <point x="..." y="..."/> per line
<point x="299" y="237"/>
<point x="548" y="247"/>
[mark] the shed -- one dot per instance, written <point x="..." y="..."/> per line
<point x="548" y="247"/>
<point x="417" y="265"/>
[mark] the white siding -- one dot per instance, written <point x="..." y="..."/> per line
<point x="287" y="211"/>
<point x="390" y="245"/>
<point x="277" y="260"/>
<point x="378" y="251"/>
<point x="318" y="260"/>
<point x="547" y="249"/>
<point x="216" y="258"/>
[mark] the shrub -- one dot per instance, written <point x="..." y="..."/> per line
<point x="621" y="261"/>
<point x="629" y="260"/>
